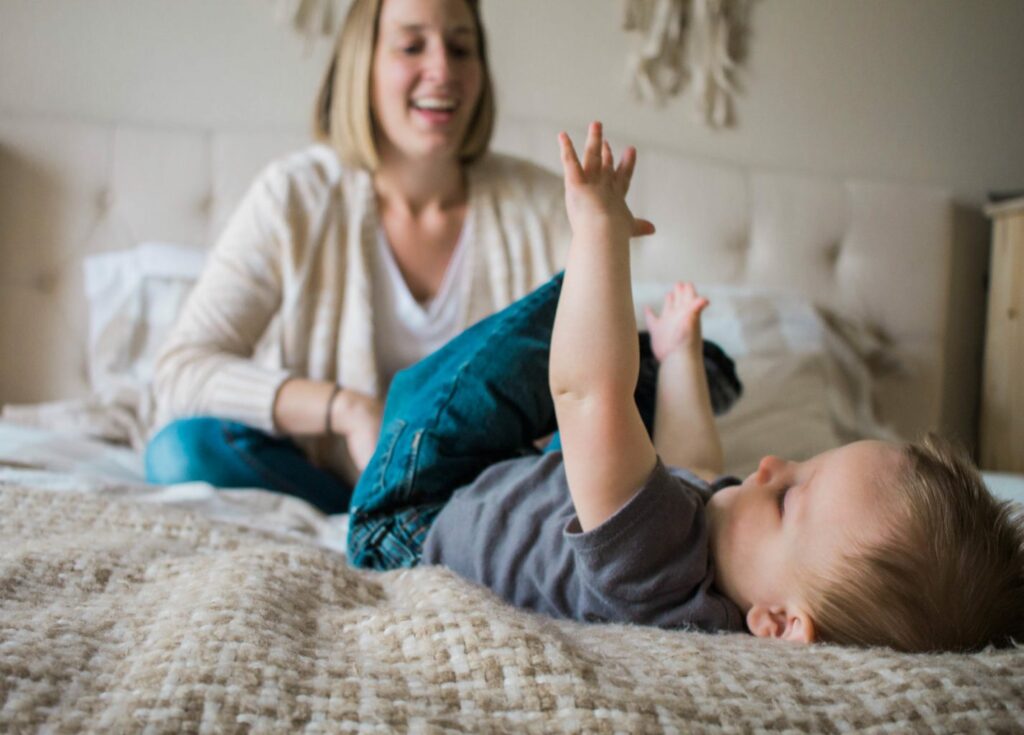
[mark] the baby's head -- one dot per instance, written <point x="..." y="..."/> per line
<point x="871" y="544"/>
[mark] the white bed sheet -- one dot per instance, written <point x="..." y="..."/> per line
<point x="1006" y="485"/>
<point x="60" y="462"/>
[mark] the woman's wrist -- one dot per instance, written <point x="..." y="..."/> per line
<point x="330" y="424"/>
<point x="347" y="408"/>
<point x="301" y="407"/>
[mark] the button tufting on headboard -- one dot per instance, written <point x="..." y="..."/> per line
<point x="833" y="251"/>
<point x="104" y="200"/>
<point x="205" y="204"/>
<point x="46" y="281"/>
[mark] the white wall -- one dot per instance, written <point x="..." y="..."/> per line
<point x="911" y="90"/>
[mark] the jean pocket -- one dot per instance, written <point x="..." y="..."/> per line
<point x="408" y="492"/>
<point x="395" y="483"/>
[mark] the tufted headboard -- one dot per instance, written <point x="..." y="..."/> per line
<point x="905" y="260"/>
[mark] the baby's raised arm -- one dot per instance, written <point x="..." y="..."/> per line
<point x="594" y="353"/>
<point x="685" y="434"/>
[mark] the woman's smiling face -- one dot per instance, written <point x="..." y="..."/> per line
<point x="427" y="77"/>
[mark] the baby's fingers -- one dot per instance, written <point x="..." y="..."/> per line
<point x="624" y="173"/>
<point x="685" y="288"/>
<point x="592" y="151"/>
<point x="689" y="297"/>
<point x="650" y="319"/>
<point x="570" y="162"/>
<point x="642" y="228"/>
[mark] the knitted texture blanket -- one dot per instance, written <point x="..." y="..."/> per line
<point x="122" y="617"/>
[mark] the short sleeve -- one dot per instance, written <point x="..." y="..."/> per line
<point x="653" y="551"/>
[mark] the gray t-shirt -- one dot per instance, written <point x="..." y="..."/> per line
<point x="514" y="530"/>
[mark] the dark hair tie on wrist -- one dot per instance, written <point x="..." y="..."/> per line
<point x="328" y="429"/>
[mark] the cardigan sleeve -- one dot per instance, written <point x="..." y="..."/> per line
<point x="547" y="199"/>
<point x="527" y="237"/>
<point x="557" y="229"/>
<point x="206" y="365"/>
<point x="539" y="196"/>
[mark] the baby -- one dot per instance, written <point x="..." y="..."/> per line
<point x="871" y="543"/>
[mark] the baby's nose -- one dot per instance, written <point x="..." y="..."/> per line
<point x="768" y="466"/>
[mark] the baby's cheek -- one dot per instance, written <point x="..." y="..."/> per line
<point x="748" y="531"/>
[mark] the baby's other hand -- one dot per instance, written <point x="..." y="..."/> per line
<point x="678" y="325"/>
<point x="595" y="190"/>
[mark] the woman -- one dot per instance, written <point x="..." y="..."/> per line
<point x="351" y="259"/>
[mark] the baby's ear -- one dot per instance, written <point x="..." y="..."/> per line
<point x="790" y="623"/>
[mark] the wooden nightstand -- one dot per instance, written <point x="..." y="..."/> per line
<point x="1002" y="392"/>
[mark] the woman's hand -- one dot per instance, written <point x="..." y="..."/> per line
<point x="678" y="326"/>
<point x="357" y="417"/>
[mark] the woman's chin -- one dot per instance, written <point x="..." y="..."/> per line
<point x="429" y="147"/>
<point x="435" y="137"/>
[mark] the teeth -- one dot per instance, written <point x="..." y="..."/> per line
<point x="435" y="103"/>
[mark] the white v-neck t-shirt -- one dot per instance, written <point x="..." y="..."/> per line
<point x="406" y="330"/>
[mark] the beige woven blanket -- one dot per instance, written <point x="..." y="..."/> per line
<point x="122" y="617"/>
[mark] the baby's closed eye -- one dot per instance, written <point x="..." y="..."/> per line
<point x="781" y="499"/>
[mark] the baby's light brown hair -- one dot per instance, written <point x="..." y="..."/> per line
<point x="949" y="577"/>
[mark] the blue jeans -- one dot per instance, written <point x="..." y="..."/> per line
<point x="229" y="454"/>
<point x="480" y="399"/>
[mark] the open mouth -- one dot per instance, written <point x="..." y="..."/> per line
<point x="441" y="105"/>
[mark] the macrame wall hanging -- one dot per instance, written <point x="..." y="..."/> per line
<point x="312" y="19"/>
<point x="695" y="42"/>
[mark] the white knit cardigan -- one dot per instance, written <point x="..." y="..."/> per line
<point x="287" y="289"/>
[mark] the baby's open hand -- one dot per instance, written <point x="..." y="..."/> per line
<point x="595" y="190"/>
<point x="678" y="326"/>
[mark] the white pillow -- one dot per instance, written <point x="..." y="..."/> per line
<point x="802" y="392"/>
<point x="1006" y="486"/>
<point x="133" y="298"/>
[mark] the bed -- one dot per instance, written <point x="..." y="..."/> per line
<point x="853" y="308"/>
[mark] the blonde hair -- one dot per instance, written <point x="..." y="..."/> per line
<point x="343" y="116"/>
<point x="949" y="577"/>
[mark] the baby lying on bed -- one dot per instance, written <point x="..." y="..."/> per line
<point x="871" y="543"/>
